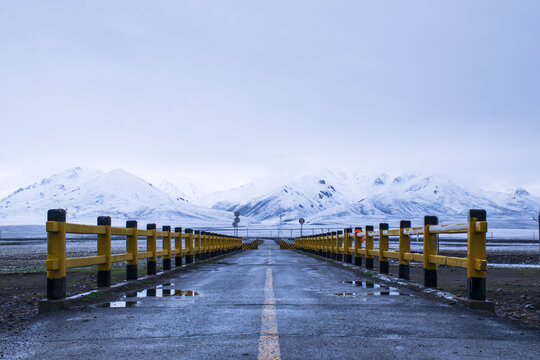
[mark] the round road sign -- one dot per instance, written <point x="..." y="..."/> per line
<point x="301" y="221"/>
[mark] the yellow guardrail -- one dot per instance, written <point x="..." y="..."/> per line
<point x="195" y="245"/>
<point x="338" y="245"/>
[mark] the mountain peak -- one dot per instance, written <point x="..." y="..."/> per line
<point x="520" y="192"/>
<point x="378" y="181"/>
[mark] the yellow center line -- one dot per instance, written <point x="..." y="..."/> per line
<point x="269" y="339"/>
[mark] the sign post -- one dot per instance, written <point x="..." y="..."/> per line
<point x="235" y="222"/>
<point x="301" y="221"/>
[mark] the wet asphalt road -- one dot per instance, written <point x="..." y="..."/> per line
<point x="270" y="303"/>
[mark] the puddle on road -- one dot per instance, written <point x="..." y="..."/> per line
<point x="365" y="284"/>
<point x="158" y="292"/>
<point x="382" y="290"/>
<point x="391" y="291"/>
<point x="119" y="304"/>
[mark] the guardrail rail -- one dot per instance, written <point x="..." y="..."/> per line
<point x="198" y="246"/>
<point x="338" y="245"/>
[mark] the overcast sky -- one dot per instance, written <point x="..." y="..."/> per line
<point x="238" y="90"/>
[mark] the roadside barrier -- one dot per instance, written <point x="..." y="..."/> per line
<point x="338" y="245"/>
<point x="286" y="246"/>
<point x="199" y="245"/>
<point x="251" y="246"/>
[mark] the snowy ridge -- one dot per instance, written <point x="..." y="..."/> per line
<point x="88" y="194"/>
<point x="326" y="198"/>
<point x="174" y="191"/>
<point x="336" y="198"/>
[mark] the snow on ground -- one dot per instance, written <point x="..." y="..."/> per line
<point x="514" y="266"/>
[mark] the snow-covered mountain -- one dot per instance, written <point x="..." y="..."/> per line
<point x="333" y="198"/>
<point x="180" y="189"/>
<point x="52" y="186"/>
<point x="239" y="195"/>
<point x="305" y="196"/>
<point x="326" y="198"/>
<point x="87" y="194"/>
<point x="172" y="190"/>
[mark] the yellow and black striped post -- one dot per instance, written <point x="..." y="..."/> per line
<point x="328" y="241"/>
<point x="151" y="246"/>
<point x="204" y="245"/>
<point x="476" y="251"/>
<point x="197" y="249"/>
<point x="357" y="246"/>
<point x="178" y="247"/>
<point x="56" y="253"/>
<point x="369" y="247"/>
<point x="210" y="250"/>
<point x="224" y="244"/>
<point x="221" y="241"/>
<point x="104" y="249"/>
<point x="404" y="247"/>
<point x="384" y="267"/>
<point x="430" y="248"/>
<point x="339" y="245"/>
<point x="207" y="245"/>
<point x="347" y="240"/>
<point x="333" y="239"/>
<point x="189" y="246"/>
<point x="132" y="249"/>
<point x="167" y="248"/>
<point x="214" y="245"/>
